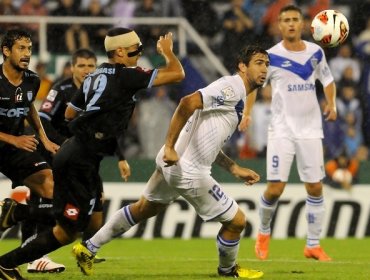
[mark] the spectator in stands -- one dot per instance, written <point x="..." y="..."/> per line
<point x="342" y="172"/>
<point x="270" y="21"/>
<point x="363" y="41"/>
<point x="237" y="29"/>
<point x="257" y="9"/>
<point x="65" y="73"/>
<point x="33" y="8"/>
<point x="96" y="32"/>
<point x="7" y="9"/>
<point x="148" y="33"/>
<point x="206" y="25"/>
<point x="343" y="60"/>
<point x="172" y="8"/>
<point x="103" y="3"/>
<point x="261" y="115"/>
<point x="353" y="137"/>
<point x="347" y="102"/>
<point x="65" y="38"/>
<point x="124" y="9"/>
<point x="317" y="7"/>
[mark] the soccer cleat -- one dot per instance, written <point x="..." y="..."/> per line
<point x="45" y="265"/>
<point x="316" y="253"/>
<point x="238" y="272"/>
<point x="98" y="259"/>
<point x="10" y="273"/>
<point x="262" y="246"/>
<point x="85" y="259"/>
<point x="7" y="213"/>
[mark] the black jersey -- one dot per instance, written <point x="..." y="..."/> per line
<point x="107" y="101"/>
<point x="15" y="102"/>
<point x="53" y="108"/>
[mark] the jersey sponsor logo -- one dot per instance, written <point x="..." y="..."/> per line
<point x="301" y="87"/>
<point x="52" y="94"/>
<point x="286" y="64"/>
<point x="4" y="98"/>
<point x="228" y="93"/>
<point x="71" y="212"/>
<point x="15" y="112"/>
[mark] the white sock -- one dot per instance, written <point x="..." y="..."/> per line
<point x="227" y="253"/>
<point x="315" y="212"/>
<point x="119" y="223"/>
<point x="266" y="211"/>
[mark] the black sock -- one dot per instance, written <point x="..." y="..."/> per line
<point x="42" y="212"/>
<point x="21" y="212"/>
<point x="32" y="249"/>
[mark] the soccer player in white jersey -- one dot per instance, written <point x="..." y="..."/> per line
<point x="206" y="119"/>
<point x="296" y="128"/>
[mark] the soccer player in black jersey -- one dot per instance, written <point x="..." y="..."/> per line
<point x="106" y="101"/>
<point x="18" y="160"/>
<point x="51" y="112"/>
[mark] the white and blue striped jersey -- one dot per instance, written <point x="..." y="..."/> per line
<point x="295" y="107"/>
<point x="208" y="129"/>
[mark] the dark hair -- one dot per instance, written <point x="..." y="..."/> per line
<point x="246" y="53"/>
<point x="11" y="36"/>
<point x="115" y="32"/>
<point x="290" y="8"/>
<point x="84" y="53"/>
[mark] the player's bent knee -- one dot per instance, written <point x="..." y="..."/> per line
<point x="64" y="235"/>
<point x="144" y="209"/>
<point x="41" y="183"/>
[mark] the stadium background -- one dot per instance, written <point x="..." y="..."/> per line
<point x="348" y="213"/>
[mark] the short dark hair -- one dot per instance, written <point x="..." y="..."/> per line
<point x="84" y="53"/>
<point x="290" y="8"/>
<point x="11" y="36"/>
<point x="246" y="53"/>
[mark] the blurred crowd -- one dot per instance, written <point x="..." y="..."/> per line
<point x="226" y="25"/>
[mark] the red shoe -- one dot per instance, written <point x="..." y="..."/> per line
<point x="316" y="253"/>
<point x="262" y="246"/>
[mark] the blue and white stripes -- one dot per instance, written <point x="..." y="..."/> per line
<point x="127" y="214"/>
<point x="314" y="201"/>
<point x="227" y="243"/>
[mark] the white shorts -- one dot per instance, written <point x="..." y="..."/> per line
<point x="205" y="194"/>
<point x="309" y="157"/>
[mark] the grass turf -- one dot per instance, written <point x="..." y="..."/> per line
<point x="197" y="259"/>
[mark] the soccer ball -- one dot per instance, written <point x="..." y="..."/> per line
<point x="329" y="28"/>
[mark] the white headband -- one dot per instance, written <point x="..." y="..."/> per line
<point x="124" y="40"/>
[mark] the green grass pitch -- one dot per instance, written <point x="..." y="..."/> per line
<point x="197" y="259"/>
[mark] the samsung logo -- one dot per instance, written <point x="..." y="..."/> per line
<point x="301" y="87"/>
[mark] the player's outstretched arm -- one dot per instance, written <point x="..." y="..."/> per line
<point x="247" y="119"/>
<point x="184" y="110"/>
<point x="173" y="71"/>
<point x="34" y="120"/>
<point x="247" y="175"/>
<point x="330" y="111"/>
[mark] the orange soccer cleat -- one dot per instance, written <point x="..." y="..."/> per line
<point x="316" y="253"/>
<point x="262" y="246"/>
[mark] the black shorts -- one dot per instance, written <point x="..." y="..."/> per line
<point x="77" y="184"/>
<point x="18" y="164"/>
